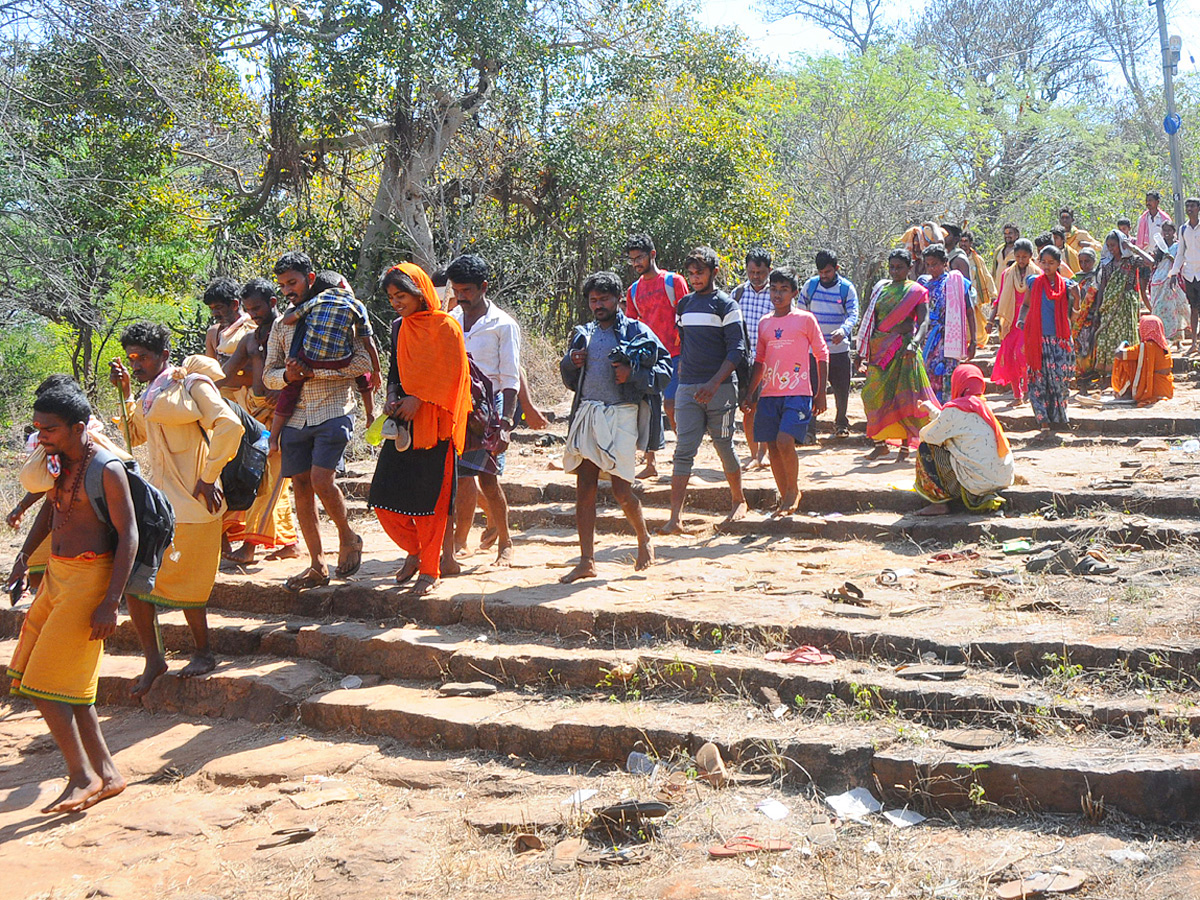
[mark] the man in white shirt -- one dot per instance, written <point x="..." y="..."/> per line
<point x="493" y="341"/>
<point x="1187" y="264"/>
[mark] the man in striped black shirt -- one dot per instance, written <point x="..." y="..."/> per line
<point x="712" y="344"/>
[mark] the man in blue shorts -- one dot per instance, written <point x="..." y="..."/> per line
<point x="315" y="435"/>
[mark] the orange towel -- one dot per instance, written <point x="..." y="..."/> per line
<point x="189" y="567"/>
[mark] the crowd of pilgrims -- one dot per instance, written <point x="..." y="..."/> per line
<point x="286" y="361"/>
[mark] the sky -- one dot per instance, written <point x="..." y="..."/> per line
<point x="779" y="40"/>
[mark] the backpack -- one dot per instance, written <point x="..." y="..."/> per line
<point x="242" y="475"/>
<point x="668" y="285"/>
<point x="151" y="510"/>
<point x="810" y="288"/>
<point x="483" y="424"/>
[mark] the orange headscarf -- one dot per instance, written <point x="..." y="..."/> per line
<point x="431" y="361"/>
<point x="966" y="389"/>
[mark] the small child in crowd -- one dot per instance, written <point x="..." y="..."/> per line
<point x="328" y="324"/>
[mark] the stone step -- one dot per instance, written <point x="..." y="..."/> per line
<point x="634" y="616"/>
<point x="456" y="653"/>
<point x="1160" y="786"/>
<point x="264" y="690"/>
<point x="878" y="526"/>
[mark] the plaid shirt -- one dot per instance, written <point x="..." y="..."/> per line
<point x="328" y="394"/>
<point x="332" y="320"/>
<point x="755" y="305"/>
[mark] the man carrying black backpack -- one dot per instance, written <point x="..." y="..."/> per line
<point x="191" y="433"/>
<point x="57" y="660"/>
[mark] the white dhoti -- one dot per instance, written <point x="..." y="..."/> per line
<point x="604" y="435"/>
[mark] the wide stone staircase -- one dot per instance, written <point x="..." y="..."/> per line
<point x="1076" y="690"/>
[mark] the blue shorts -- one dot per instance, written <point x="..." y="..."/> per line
<point x="320" y="446"/>
<point x="673" y="384"/>
<point x="790" y="415"/>
<point x="480" y="462"/>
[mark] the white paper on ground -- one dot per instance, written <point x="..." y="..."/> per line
<point x="903" y="818"/>
<point x="855" y="804"/>
<point x="1126" y="854"/>
<point x="772" y="809"/>
<point x="580" y="797"/>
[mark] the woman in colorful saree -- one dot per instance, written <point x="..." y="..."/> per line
<point x="964" y="454"/>
<point x="1167" y="298"/>
<point x="1085" y="317"/>
<point x="889" y="350"/>
<point x="429" y="389"/>
<point x="1117" y="298"/>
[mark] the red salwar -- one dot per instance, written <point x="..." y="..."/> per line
<point x="421" y="536"/>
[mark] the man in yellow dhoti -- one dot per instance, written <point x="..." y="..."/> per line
<point x="191" y="433"/>
<point x="268" y="523"/>
<point x="57" y="660"/>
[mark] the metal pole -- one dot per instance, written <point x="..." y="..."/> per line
<point x="1169" y="91"/>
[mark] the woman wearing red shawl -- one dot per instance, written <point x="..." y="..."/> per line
<point x="964" y="454"/>
<point x="1049" y="348"/>
<point x="429" y="393"/>
<point x="1143" y="373"/>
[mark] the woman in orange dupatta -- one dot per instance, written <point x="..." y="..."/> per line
<point x="429" y="393"/>
<point x="1143" y="373"/>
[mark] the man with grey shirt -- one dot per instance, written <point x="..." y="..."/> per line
<point x="613" y="365"/>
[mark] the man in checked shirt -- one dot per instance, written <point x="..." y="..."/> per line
<point x="315" y="435"/>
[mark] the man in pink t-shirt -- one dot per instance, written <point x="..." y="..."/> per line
<point x="788" y="401"/>
<point x="652" y="299"/>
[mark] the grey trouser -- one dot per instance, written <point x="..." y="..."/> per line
<point x="692" y="419"/>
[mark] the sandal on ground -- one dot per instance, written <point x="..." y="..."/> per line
<point x="353" y="561"/>
<point x="741" y="845"/>
<point x="309" y="578"/>
<point x="806" y="655"/>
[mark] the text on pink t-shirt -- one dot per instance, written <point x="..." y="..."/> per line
<point x="784" y="344"/>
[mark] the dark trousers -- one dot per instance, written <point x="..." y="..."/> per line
<point x="839" y="380"/>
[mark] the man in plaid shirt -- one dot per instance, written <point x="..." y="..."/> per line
<point x="753" y="296"/>
<point x="329" y="326"/>
<point x="314" y="437"/>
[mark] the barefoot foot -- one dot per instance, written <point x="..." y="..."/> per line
<point x="645" y="557"/>
<point x="649" y="471"/>
<point x="673" y="527"/>
<point x="585" y="569"/>
<point x="423" y="586"/>
<point x="935" y="509"/>
<point x="243" y="556"/>
<point x="737" y="514"/>
<point x="408" y="570"/>
<point x="879" y="452"/>
<point x="141" y="687"/>
<point x="201" y="664"/>
<point x="112" y="786"/>
<point x="489" y="537"/>
<point x="504" y="559"/>
<point x="788" y="505"/>
<point x="75" y="795"/>
<point x="288" y="551"/>
<point x="450" y="566"/>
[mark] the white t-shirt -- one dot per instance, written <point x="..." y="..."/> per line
<point x="494" y="343"/>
